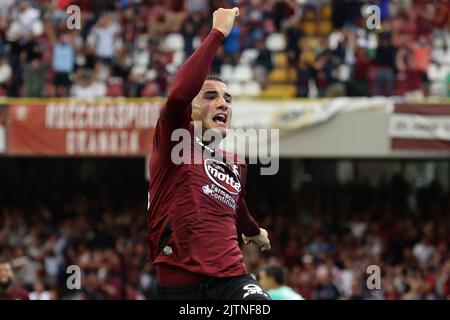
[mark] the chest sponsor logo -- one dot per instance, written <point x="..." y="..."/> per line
<point x="220" y="195"/>
<point x="222" y="176"/>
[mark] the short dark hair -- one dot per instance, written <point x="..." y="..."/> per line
<point x="213" y="77"/>
<point x="276" y="272"/>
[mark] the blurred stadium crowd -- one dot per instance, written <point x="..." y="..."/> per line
<point x="335" y="232"/>
<point x="277" y="48"/>
<point x="326" y="240"/>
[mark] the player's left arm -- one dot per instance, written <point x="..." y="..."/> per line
<point x="246" y="224"/>
<point x="251" y="232"/>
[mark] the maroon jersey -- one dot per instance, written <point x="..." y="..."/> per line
<point x="15" y="293"/>
<point x="195" y="210"/>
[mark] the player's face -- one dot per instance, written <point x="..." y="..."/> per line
<point x="6" y="274"/>
<point x="212" y="107"/>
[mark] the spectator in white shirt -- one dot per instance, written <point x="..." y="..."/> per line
<point x="86" y="87"/>
<point x="423" y="250"/>
<point x="5" y="73"/>
<point x="105" y="33"/>
<point x="27" y="17"/>
<point x="39" y="292"/>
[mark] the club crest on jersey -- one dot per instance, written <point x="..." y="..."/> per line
<point x="235" y="168"/>
<point x="222" y="176"/>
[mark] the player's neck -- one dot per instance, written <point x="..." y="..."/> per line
<point x="212" y="142"/>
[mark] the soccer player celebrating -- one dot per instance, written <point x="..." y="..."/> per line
<point x="7" y="291"/>
<point x="196" y="211"/>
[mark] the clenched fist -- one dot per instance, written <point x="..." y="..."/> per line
<point x="261" y="240"/>
<point x="223" y="19"/>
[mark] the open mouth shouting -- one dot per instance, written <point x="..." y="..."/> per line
<point x="220" y="119"/>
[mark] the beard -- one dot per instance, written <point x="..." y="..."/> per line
<point x="5" y="283"/>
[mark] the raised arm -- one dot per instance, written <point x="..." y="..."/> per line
<point x="189" y="79"/>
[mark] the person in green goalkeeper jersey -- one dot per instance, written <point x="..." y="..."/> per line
<point x="271" y="279"/>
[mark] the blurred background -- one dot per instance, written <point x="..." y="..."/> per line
<point x="364" y="148"/>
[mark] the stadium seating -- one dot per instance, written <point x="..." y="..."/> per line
<point x="312" y="31"/>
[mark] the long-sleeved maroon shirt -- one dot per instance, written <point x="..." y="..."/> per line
<point x="195" y="210"/>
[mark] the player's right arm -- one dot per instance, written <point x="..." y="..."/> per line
<point x="189" y="79"/>
<point x="187" y="84"/>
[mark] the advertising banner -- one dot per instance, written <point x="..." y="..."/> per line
<point x="82" y="129"/>
<point x="420" y="127"/>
